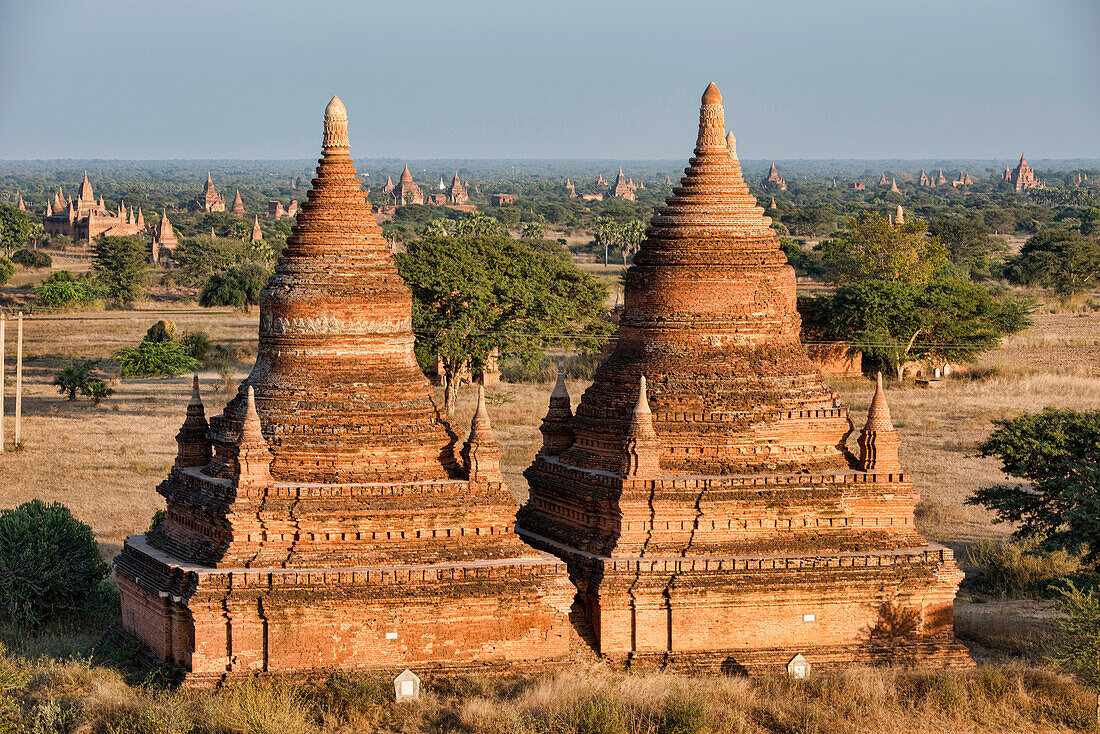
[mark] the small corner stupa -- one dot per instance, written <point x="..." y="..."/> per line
<point x="703" y="494"/>
<point x="327" y="519"/>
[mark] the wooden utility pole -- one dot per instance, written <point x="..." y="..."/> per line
<point x="3" y="354"/>
<point x="19" y="381"/>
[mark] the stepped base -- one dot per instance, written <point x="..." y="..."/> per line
<point x="756" y="612"/>
<point x="210" y="625"/>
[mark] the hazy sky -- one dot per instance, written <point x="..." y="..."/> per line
<point x="549" y="78"/>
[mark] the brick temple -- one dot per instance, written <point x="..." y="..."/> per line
<point x="1022" y="177"/>
<point x="210" y="200"/>
<point x="85" y="218"/>
<point x="703" y="495"/>
<point x="330" y="518"/>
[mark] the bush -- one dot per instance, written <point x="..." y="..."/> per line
<point x="681" y="715"/>
<point x="74" y="377"/>
<point x="50" y="566"/>
<point x="239" y="287"/>
<point x="196" y="344"/>
<point x="1008" y="568"/>
<point x="32" y="259"/>
<point x="155" y="359"/>
<point x="62" y="289"/>
<point x="7" y="269"/>
<point x="98" y="391"/>
<point x="162" y="331"/>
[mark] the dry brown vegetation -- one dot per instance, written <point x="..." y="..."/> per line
<point x="80" y="695"/>
<point x="105" y="463"/>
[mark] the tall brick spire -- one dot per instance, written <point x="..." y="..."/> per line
<point x="710" y="319"/>
<point x="337" y="385"/>
<point x="86" y="194"/>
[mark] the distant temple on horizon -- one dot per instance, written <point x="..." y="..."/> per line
<point x="86" y="218"/>
<point x="773" y="180"/>
<point x="1022" y="177"/>
<point x="211" y="200"/>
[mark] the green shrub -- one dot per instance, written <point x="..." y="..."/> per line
<point x="597" y="715"/>
<point x="197" y="344"/>
<point x="74" y="377"/>
<point x="98" y="391"/>
<point x="155" y="359"/>
<point x="7" y="269"/>
<point x="239" y="287"/>
<point x="32" y="259"/>
<point x="162" y="331"/>
<point x="1008" y="568"/>
<point x="50" y="566"/>
<point x="62" y="289"/>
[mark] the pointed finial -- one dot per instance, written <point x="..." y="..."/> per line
<point x="251" y="429"/>
<point x="481" y="414"/>
<point x="731" y="144"/>
<point x="560" y="390"/>
<point x="642" y="405"/>
<point x="336" y="127"/>
<point x="712" y="124"/>
<point x="196" y="397"/>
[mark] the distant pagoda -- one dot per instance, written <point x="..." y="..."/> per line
<point x="211" y="200"/>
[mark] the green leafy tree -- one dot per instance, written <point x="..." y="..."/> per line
<point x="239" y="287"/>
<point x="198" y="258"/>
<point x="967" y="240"/>
<point x="474" y="294"/>
<point x="74" y="377"/>
<point x="7" y="269"/>
<point x="631" y="236"/>
<point x="1058" y="453"/>
<point x="17" y="229"/>
<point x="1078" y="618"/>
<point x="533" y="231"/>
<point x="1067" y="262"/>
<point x="155" y="359"/>
<point x="62" y="289"/>
<point x="121" y="265"/>
<point x="889" y="321"/>
<point x="435" y="228"/>
<point x="50" y="567"/>
<point x="607" y="234"/>
<point x="874" y="249"/>
<point x="478" y="225"/>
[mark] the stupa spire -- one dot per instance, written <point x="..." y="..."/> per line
<point x="481" y="453"/>
<point x="899" y="216"/>
<point x="253" y="456"/>
<point x="338" y="305"/>
<point x="194" y="445"/>
<point x="20" y="204"/>
<point x="335" y="139"/>
<point x="878" y="441"/>
<point x="257" y="233"/>
<point x="557" y="435"/>
<point x="731" y="144"/>
<point x="641" y="449"/>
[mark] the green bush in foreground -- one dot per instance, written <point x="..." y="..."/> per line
<point x="155" y="359"/>
<point x="50" y="566"/>
<point x="64" y="289"/>
<point x="7" y="269"/>
<point x="32" y="259"/>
